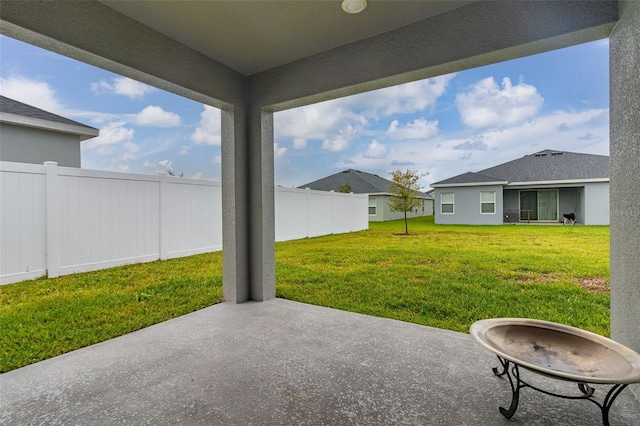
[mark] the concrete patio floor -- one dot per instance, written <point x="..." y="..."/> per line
<point x="284" y="363"/>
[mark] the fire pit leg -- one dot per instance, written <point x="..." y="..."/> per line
<point x="515" y="387"/>
<point x="608" y="402"/>
<point x="513" y="374"/>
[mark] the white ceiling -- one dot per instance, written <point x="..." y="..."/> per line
<point x="253" y="36"/>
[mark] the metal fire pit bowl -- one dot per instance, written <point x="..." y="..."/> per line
<point x="560" y="352"/>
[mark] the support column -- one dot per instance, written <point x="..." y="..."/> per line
<point x="262" y="206"/>
<point x="248" y="218"/>
<point x="625" y="169"/>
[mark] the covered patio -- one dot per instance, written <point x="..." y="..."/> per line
<point x="279" y="362"/>
<point x="284" y="363"/>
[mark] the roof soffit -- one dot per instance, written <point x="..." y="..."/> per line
<point x="254" y="36"/>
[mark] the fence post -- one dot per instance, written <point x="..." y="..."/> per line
<point x="308" y="192"/>
<point x="352" y="209"/>
<point x="52" y="220"/>
<point x="164" y="218"/>
<point x="333" y="211"/>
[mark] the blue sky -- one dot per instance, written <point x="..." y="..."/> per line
<point x="439" y="127"/>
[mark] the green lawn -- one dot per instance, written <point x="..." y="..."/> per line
<point x="442" y="276"/>
<point x="450" y="276"/>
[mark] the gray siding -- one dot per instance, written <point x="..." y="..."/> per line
<point x="383" y="213"/>
<point x="596" y="203"/>
<point x="467" y="206"/>
<point x="29" y="145"/>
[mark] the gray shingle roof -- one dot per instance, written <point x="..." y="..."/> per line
<point x="469" y="177"/>
<point x="547" y="165"/>
<point x="12" y="106"/>
<point x="360" y="182"/>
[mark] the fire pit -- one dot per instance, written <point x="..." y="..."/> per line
<point x="561" y="352"/>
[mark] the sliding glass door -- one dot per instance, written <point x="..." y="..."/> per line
<point x="539" y="205"/>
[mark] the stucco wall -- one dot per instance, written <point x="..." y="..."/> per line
<point x="596" y="203"/>
<point x="21" y="144"/>
<point x="467" y="206"/>
<point x="625" y="185"/>
<point x="384" y="213"/>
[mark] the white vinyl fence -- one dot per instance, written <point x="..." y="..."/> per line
<point x="60" y="220"/>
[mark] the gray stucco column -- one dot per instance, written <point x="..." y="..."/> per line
<point x="262" y="206"/>
<point x="625" y="177"/>
<point x="248" y="205"/>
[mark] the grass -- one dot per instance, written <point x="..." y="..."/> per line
<point x="441" y="276"/>
<point x="42" y="318"/>
<point x="450" y="276"/>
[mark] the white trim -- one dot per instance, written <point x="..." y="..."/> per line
<point x="469" y="184"/>
<point x="532" y="183"/>
<point x="85" y="132"/>
<point x="495" y="202"/>
<point x="558" y="182"/>
<point x="537" y="190"/>
<point x="453" y="203"/>
<point x="375" y="205"/>
<point x="422" y="197"/>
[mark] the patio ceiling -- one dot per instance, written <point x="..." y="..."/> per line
<point x="251" y="37"/>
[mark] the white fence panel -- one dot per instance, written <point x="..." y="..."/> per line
<point x="291" y="214"/>
<point x="22" y="222"/>
<point x="60" y="220"/>
<point x="320" y="213"/>
<point x="105" y="219"/>
<point x="192" y="217"/>
<point x="326" y="213"/>
<point x="342" y="213"/>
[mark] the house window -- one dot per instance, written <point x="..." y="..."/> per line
<point x="446" y="203"/>
<point x="487" y="202"/>
<point x="372" y="206"/>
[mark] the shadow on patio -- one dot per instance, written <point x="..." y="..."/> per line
<point x="282" y="362"/>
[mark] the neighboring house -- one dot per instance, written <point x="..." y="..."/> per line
<point x="539" y="188"/>
<point x="31" y="135"/>
<point x="379" y="192"/>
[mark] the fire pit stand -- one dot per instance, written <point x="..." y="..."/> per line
<point x="586" y="391"/>
<point x="560" y="352"/>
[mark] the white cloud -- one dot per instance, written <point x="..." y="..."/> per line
<point x="32" y="92"/>
<point x="198" y="175"/>
<point x="155" y="116"/>
<point x="110" y="137"/>
<point x="130" y="151"/>
<point x="209" y="130"/>
<point x="184" y="150"/>
<point x="486" y="104"/>
<point x="217" y="159"/>
<point x="122" y="86"/>
<point x="299" y="143"/>
<point x="376" y="150"/>
<point x="349" y="117"/>
<point x="336" y="144"/>
<point x="279" y="151"/>
<point x="401" y="99"/>
<point x="419" y="128"/>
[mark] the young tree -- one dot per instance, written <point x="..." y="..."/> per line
<point x="405" y="189"/>
<point x="346" y="188"/>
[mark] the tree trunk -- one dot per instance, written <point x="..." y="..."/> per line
<point x="406" y="225"/>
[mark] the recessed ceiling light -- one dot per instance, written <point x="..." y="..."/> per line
<point x="354" y="6"/>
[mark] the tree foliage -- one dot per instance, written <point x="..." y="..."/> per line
<point x="346" y="188"/>
<point x="405" y="189"/>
